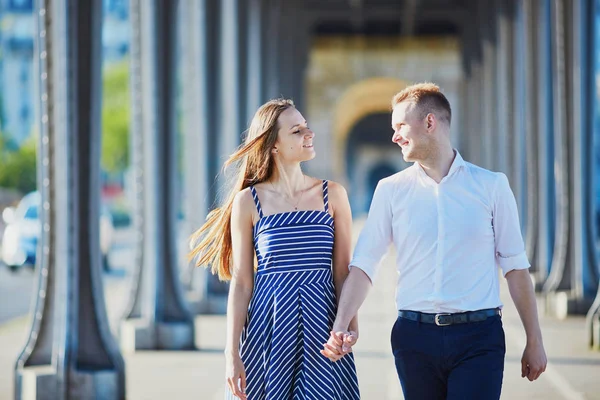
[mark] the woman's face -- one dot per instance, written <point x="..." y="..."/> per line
<point x="294" y="138"/>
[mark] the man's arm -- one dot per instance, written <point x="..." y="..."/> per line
<point x="354" y="292"/>
<point x="372" y="245"/>
<point x="511" y="257"/>
<point x="534" y="360"/>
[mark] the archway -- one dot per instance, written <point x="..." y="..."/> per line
<point x="370" y="96"/>
<point x="370" y="156"/>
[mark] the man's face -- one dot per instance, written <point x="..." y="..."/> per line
<point x="410" y="132"/>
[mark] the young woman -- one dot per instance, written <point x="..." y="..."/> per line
<point x="284" y="241"/>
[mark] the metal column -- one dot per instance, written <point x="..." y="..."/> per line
<point x="573" y="280"/>
<point x="157" y="316"/>
<point x="70" y="352"/>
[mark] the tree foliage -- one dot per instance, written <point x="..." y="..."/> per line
<point x="115" y="117"/>
<point x="18" y="165"/>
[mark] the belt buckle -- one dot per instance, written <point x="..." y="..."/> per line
<point x="437" y="319"/>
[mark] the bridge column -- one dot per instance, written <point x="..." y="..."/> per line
<point x="487" y="17"/>
<point x="517" y="129"/>
<point x="232" y="79"/>
<point x="586" y="10"/>
<point x="157" y="316"/>
<point x="573" y="279"/>
<point x="273" y="40"/>
<point x="471" y="64"/>
<point x="200" y="41"/>
<point x="256" y="56"/>
<point x="286" y="48"/>
<point x="504" y="139"/>
<point x="541" y="83"/>
<point x="525" y="109"/>
<point x="70" y="352"/>
<point x="301" y="47"/>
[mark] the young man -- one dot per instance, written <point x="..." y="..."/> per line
<point x="453" y="225"/>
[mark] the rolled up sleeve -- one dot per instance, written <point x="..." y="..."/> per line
<point x="376" y="235"/>
<point x="509" y="246"/>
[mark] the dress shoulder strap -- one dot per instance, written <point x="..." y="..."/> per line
<point x="256" y="201"/>
<point x="325" y="196"/>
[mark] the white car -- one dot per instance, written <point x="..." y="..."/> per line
<point x="23" y="229"/>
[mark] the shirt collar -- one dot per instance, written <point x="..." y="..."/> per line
<point x="457" y="164"/>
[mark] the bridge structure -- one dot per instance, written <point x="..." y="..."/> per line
<point x="524" y="90"/>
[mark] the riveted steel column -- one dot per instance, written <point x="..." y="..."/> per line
<point x="232" y="77"/>
<point x="525" y="112"/>
<point x="488" y="17"/>
<point x="272" y="48"/>
<point x="544" y="125"/>
<point x="471" y="60"/>
<point x="70" y="352"/>
<point x="504" y="134"/>
<point x="158" y="317"/>
<point x="300" y="45"/>
<point x="200" y="36"/>
<point x="586" y="12"/>
<point x="517" y="130"/>
<point x="255" y="44"/>
<point x="573" y="279"/>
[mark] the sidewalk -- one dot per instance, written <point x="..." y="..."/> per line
<point x="573" y="372"/>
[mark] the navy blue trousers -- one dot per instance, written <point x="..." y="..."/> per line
<point x="462" y="361"/>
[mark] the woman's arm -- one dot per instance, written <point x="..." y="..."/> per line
<point x="242" y="281"/>
<point x="240" y="290"/>
<point x="342" y="245"/>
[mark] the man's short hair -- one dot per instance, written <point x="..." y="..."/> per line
<point x="427" y="98"/>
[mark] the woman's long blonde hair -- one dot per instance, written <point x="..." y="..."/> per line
<point x="212" y="242"/>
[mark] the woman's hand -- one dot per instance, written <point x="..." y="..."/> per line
<point x="236" y="375"/>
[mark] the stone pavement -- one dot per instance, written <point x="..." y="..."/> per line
<point x="573" y="372"/>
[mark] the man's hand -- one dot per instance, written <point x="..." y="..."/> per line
<point x="339" y="344"/>
<point x="348" y="341"/>
<point x="534" y="361"/>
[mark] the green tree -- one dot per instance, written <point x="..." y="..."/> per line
<point x="18" y="167"/>
<point x="115" y="117"/>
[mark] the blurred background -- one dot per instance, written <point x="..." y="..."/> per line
<point x="178" y="84"/>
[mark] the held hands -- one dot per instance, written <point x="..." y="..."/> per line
<point x="339" y="344"/>
<point x="534" y="361"/>
<point x="236" y="376"/>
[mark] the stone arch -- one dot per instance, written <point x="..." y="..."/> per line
<point x="366" y="97"/>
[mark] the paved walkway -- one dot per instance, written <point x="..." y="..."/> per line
<point x="573" y="372"/>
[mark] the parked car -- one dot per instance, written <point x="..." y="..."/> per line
<point x="23" y="229"/>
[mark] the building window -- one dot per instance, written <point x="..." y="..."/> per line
<point x="24" y="113"/>
<point x="20" y="5"/>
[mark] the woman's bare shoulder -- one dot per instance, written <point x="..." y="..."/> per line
<point x="336" y="190"/>
<point x="243" y="202"/>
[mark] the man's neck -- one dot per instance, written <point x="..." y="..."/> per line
<point x="438" y="165"/>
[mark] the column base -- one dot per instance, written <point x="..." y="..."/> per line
<point x="562" y="304"/>
<point x="141" y="334"/>
<point x="43" y="383"/>
<point x="537" y="281"/>
<point x="39" y="382"/>
<point x="206" y="305"/>
<point x="92" y="385"/>
<point x="595" y="332"/>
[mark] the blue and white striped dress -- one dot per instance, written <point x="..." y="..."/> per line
<point x="292" y="311"/>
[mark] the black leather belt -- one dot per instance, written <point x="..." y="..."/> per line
<point x="445" y="319"/>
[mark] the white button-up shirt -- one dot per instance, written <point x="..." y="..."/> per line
<point x="450" y="237"/>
